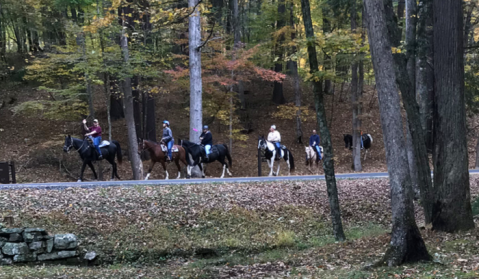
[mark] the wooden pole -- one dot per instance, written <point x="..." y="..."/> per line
<point x="12" y="165"/>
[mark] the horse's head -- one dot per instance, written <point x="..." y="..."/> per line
<point x="262" y="143"/>
<point x="68" y="144"/>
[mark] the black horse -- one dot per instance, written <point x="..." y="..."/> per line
<point x="367" y="142"/>
<point x="196" y="156"/>
<point x="88" y="154"/>
<point x="270" y="155"/>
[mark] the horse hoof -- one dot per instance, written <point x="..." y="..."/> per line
<point x="79" y="180"/>
<point x="188" y="177"/>
<point x="203" y="176"/>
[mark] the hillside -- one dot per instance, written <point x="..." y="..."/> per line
<point x="35" y="143"/>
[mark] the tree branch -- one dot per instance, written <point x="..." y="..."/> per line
<point x="209" y="37"/>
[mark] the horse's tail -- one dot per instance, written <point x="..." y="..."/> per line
<point x="118" y="151"/>
<point x="187" y="152"/>
<point x="291" y="160"/>
<point x="228" y="155"/>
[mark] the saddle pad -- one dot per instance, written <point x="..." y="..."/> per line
<point x="104" y="143"/>
<point x="164" y="148"/>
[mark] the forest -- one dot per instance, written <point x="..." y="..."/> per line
<point x="390" y="86"/>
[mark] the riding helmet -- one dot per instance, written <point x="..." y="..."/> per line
<point x="273" y="126"/>
<point x="166" y="122"/>
<point x="205" y="127"/>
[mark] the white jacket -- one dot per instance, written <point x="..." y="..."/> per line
<point x="274" y="136"/>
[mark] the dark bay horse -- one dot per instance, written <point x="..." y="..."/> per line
<point x="88" y="154"/>
<point x="157" y="155"/>
<point x="196" y="156"/>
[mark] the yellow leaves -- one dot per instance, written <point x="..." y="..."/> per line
<point x="395" y="50"/>
<point x="289" y="111"/>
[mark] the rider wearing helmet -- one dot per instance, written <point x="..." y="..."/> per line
<point x="94" y="135"/>
<point x="275" y="138"/>
<point x="167" y="138"/>
<point x="314" y="141"/>
<point x="206" y="140"/>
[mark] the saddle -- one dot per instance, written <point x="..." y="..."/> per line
<point x="213" y="149"/>
<point x="164" y="148"/>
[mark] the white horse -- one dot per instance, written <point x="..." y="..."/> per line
<point x="311" y="156"/>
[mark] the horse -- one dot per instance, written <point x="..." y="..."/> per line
<point x="367" y="142"/>
<point x="311" y="156"/>
<point x="157" y="155"/>
<point x="197" y="156"/>
<point x="88" y="154"/>
<point x="270" y="155"/>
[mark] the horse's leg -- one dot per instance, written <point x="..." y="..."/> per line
<point x="188" y="171"/>
<point x="81" y="172"/>
<point x="223" y="174"/>
<point x="177" y="162"/>
<point x="164" y="167"/>
<point x="228" y="170"/>
<point x="270" y="164"/>
<point x="152" y="164"/>
<point x="203" y="170"/>
<point x="365" y="154"/>
<point x="277" y="172"/>
<point x="93" y="170"/>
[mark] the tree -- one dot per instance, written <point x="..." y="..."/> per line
<point x="196" y="106"/>
<point x="328" y="163"/>
<point x="278" y="97"/>
<point x="136" y="164"/>
<point x="356" y="93"/>
<point x="452" y="208"/>
<point x="406" y="243"/>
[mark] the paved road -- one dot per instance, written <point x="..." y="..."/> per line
<point x="96" y="184"/>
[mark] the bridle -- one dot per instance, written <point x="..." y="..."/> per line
<point x="71" y="145"/>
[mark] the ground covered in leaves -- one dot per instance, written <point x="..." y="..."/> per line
<point x="244" y="230"/>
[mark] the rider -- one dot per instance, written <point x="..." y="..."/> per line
<point x="275" y="138"/>
<point x="206" y="140"/>
<point x="314" y="141"/>
<point x="94" y="135"/>
<point x="167" y="138"/>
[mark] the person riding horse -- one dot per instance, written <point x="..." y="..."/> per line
<point x="94" y="135"/>
<point x="314" y="141"/>
<point x="275" y="138"/>
<point x="167" y="138"/>
<point x="206" y="139"/>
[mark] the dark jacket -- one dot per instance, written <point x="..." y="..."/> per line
<point x="167" y="135"/>
<point x="314" y="138"/>
<point x="207" y="138"/>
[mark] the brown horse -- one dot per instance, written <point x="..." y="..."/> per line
<point x="157" y="155"/>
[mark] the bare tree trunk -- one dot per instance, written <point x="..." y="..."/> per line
<point x="136" y="164"/>
<point x="477" y="155"/>
<point x="237" y="42"/>
<point x="196" y="108"/>
<point x="412" y="109"/>
<point x="328" y="163"/>
<point x="355" y="102"/>
<point x="278" y="96"/>
<point x="452" y="209"/>
<point x="406" y="243"/>
<point x="293" y="66"/>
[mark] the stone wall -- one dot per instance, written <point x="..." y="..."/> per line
<point x="19" y="245"/>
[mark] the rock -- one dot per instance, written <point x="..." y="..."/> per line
<point x="31" y="230"/>
<point x="15" y="237"/>
<point x="57" y="255"/>
<point x="15" y="248"/>
<point x="25" y="258"/>
<point x="6" y="261"/>
<point x="10" y="230"/>
<point x="37" y="246"/>
<point x="3" y="240"/>
<point x="65" y="241"/>
<point x="90" y="256"/>
<point x="50" y="245"/>
<point x="32" y="236"/>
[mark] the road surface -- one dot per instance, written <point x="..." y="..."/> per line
<point x="123" y="183"/>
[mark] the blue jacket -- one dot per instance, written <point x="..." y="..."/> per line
<point x="314" y="138"/>
<point x="167" y="135"/>
<point x="207" y="138"/>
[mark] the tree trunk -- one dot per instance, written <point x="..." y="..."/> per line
<point x="196" y="108"/>
<point x="237" y="42"/>
<point x="425" y="73"/>
<point x="116" y="101"/>
<point x="293" y="67"/>
<point x="400" y="8"/>
<point x="406" y="243"/>
<point x="412" y="109"/>
<point x="278" y="96"/>
<point x="355" y="95"/>
<point x="477" y="154"/>
<point x="328" y="163"/>
<point x="452" y="209"/>
<point x="136" y="164"/>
